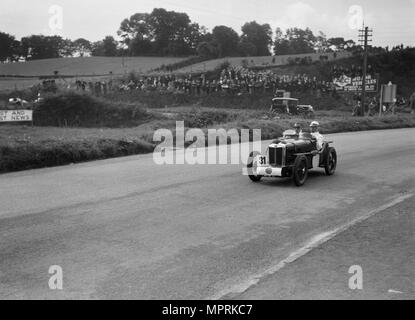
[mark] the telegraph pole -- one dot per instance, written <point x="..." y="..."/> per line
<point x="364" y="35"/>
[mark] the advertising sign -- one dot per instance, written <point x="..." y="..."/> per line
<point x="16" y="115"/>
<point x="355" y="84"/>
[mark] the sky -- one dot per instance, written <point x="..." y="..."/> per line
<point x="393" y="22"/>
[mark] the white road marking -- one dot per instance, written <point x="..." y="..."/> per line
<point x="313" y="243"/>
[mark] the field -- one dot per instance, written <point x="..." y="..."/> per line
<point x="7" y="84"/>
<point x="85" y="66"/>
<point x="82" y="68"/>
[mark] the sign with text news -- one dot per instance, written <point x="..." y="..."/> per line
<point x="16" y="115"/>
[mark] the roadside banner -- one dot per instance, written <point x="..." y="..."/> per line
<point x="16" y="115"/>
<point x="355" y="84"/>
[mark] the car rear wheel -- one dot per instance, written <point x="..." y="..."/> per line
<point x="300" y="172"/>
<point x="331" y="162"/>
<point x="252" y="166"/>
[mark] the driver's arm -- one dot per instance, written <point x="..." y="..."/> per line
<point x="320" y="141"/>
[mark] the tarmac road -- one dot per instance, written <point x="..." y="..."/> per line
<point x="129" y="229"/>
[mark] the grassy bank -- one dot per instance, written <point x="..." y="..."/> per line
<point x="86" y="65"/>
<point x="33" y="147"/>
<point x="25" y="147"/>
<point x="71" y="109"/>
<point x="271" y="129"/>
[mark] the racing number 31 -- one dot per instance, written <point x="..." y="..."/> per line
<point x="262" y="160"/>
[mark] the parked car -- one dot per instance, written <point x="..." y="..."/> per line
<point x="290" y="106"/>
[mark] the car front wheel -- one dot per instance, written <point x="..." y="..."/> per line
<point x="331" y="162"/>
<point x="300" y="172"/>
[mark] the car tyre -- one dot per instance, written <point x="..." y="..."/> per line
<point x="331" y="162"/>
<point x="300" y="171"/>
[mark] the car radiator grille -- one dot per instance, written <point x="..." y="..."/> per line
<point x="275" y="156"/>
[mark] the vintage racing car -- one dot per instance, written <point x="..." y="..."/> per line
<point x="292" y="156"/>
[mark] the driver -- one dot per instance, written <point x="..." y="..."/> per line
<point x="315" y="127"/>
<point x="298" y="129"/>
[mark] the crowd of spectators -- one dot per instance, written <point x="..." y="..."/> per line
<point x="352" y="72"/>
<point x="97" y="87"/>
<point x="233" y="80"/>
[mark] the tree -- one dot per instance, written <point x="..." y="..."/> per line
<point x="226" y="40"/>
<point x="9" y="47"/>
<point x="136" y="34"/>
<point x="205" y="36"/>
<point x="259" y="35"/>
<point x="43" y="47"/>
<point x="281" y="44"/>
<point x="110" y="46"/>
<point x="170" y="30"/>
<point x="321" y="43"/>
<point x="302" y="41"/>
<point x="105" y="48"/>
<point x="67" y="49"/>
<point x="193" y="35"/>
<point x="97" y="49"/>
<point x="162" y="32"/>
<point x="139" y="47"/>
<point x="136" y="27"/>
<point x="246" y="48"/>
<point x="296" y="41"/>
<point x="82" y="47"/>
<point x="207" y="50"/>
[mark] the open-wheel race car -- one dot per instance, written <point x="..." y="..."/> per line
<point x="292" y="157"/>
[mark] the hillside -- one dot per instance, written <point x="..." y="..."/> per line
<point x="85" y="66"/>
<point x="266" y="61"/>
<point x="396" y="66"/>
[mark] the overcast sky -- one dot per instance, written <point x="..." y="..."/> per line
<point x="393" y="22"/>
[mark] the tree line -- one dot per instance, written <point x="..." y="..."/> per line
<point x="170" y="33"/>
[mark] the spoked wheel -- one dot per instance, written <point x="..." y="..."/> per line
<point x="300" y="173"/>
<point x="252" y="166"/>
<point x="331" y="162"/>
